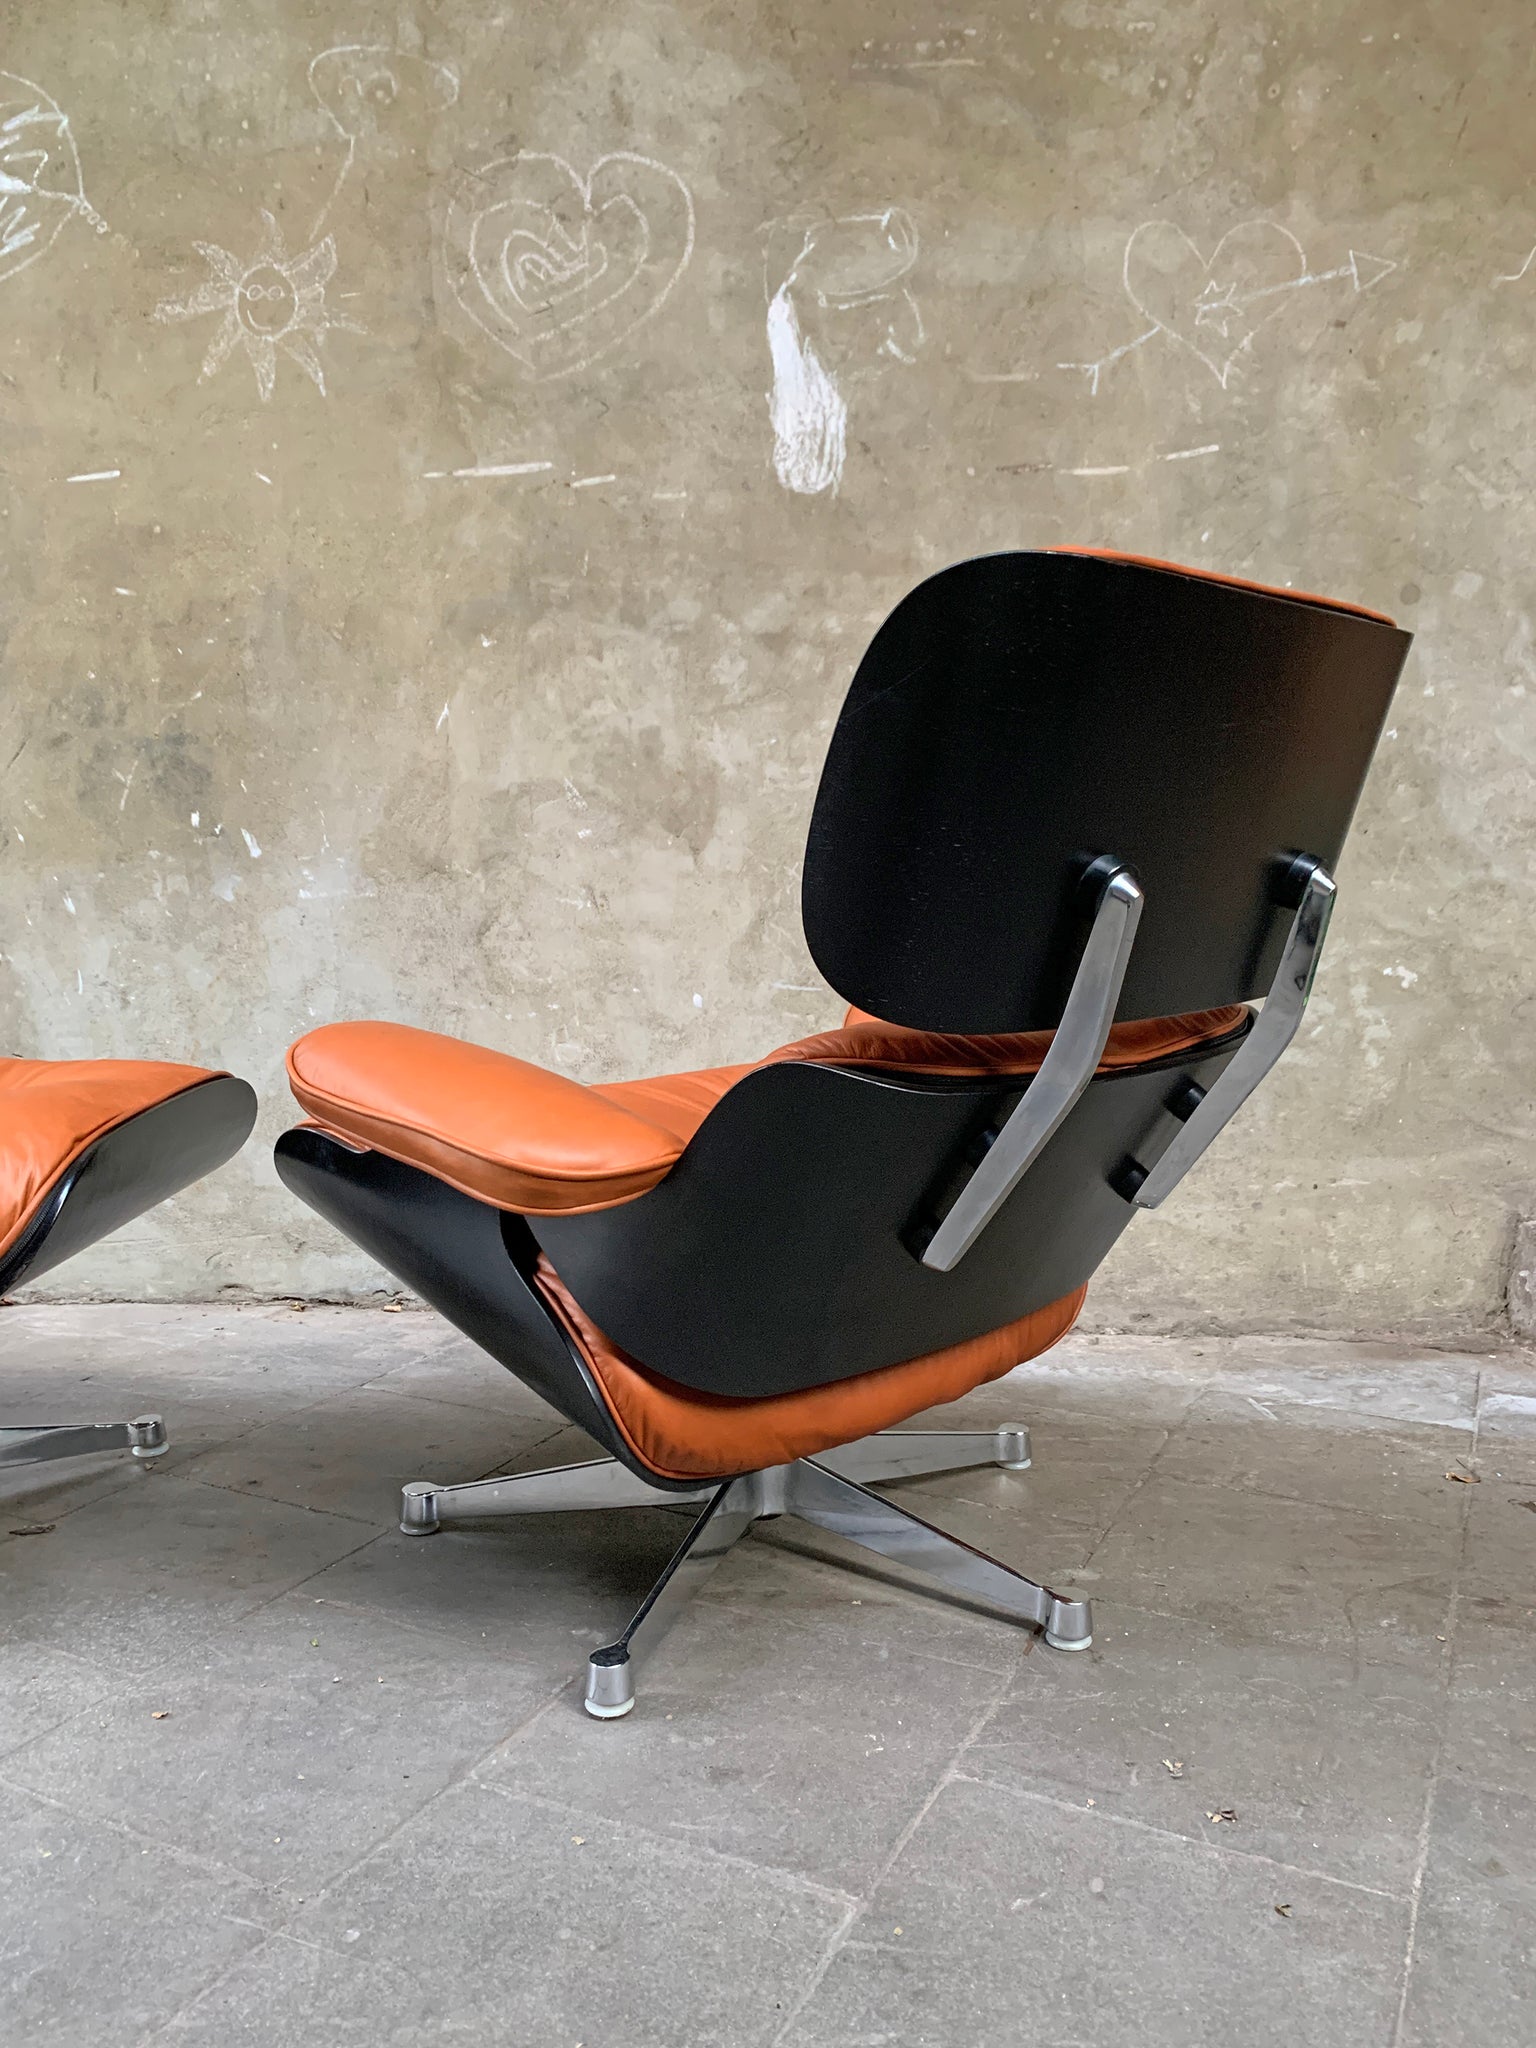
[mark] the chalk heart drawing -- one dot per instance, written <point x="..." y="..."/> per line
<point x="271" y="301"/>
<point x="559" y="269"/>
<point x="1213" y="306"/>
<point x="40" y="184"/>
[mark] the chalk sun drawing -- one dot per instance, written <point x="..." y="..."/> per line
<point x="1213" y="307"/>
<point x="560" y="269"/>
<point x="269" y="303"/>
<point x="40" y="183"/>
<point x="363" y="87"/>
<point x="841" y="265"/>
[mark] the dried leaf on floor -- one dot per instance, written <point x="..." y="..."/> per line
<point x="1465" y="1478"/>
<point x="1224" y="1814"/>
<point x="160" y="1714"/>
<point x="1173" y="1767"/>
<point x="35" y="1529"/>
<point x="1284" y="1912"/>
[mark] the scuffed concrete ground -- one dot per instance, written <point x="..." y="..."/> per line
<point x="275" y="1774"/>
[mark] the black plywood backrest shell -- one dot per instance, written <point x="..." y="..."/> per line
<point x="1020" y="715"/>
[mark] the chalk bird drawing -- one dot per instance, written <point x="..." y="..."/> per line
<point x="1212" y="307"/>
<point x="365" y="90"/>
<point x="560" y="269"/>
<point x="269" y="303"/>
<point x="40" y="185"/>
<point x="841" y="267"/>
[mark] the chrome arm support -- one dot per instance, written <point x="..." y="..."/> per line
<point x="1065" y="1072"/>
<point x="1276" y="1027"/>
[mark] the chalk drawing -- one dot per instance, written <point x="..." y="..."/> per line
<point x="1213" y="307"/>
<point x="271" y="302"/>
<point x="493" y="469"/>
<point x="40" y="186"/>
<point x="1514" y="276"/>
<point x="560" y="269"/>
<point x="361" y="86"/>
<point x="841" y="265"/>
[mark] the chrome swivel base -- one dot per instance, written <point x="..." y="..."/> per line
<point x="830" y="1490"/>
<point x="145" y="1438"/>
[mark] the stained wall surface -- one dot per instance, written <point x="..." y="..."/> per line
<point x="377" y="644"/>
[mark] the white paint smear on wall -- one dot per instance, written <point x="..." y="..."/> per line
<point x="810" y="419"/>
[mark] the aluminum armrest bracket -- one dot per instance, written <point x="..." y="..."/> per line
<point x="1065" y="1072"/>
<point x="1205" y="1114"/>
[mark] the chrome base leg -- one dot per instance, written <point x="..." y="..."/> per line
<point x="820" y="1496"/>
<point x="611" y="1670"/>
<point x="903" y="1453"/>
<point x="145" y="1438"/>
<point x="602" y="1483"/>
<point x="824" y="1491"/>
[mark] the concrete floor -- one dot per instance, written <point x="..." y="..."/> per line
<point x="276" y="1774"/>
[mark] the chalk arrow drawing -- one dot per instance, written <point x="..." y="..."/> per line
<point x="272" y="302"/>
<point x="842" y="264"/>
<point x="1214" y="306"/>
<point x="40" y="187"/>
<point x="559" y="269"/>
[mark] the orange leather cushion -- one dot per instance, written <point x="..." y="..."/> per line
<point x="865" y="1041"/>
<point x="521" y="1138"/>
<point x="1333" y="604"/>
<point x="683" y="1434"/>
<point x="493" y="1126"/>
<point x="51" y="1111"/>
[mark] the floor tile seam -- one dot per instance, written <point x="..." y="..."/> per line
<point x="293" y="1903"/>
<point x="193" y="1859"/>
<point x="289" y="1416"/>
<point x="162" y="2030"/>
<point x="19" y="1749"/>
<point x="1098" y="1542"/>
<point x="1431" y="1790"/>
<point x="843" y="1934"/>
<point x="686" y="1846"/>
<point x="737" y="1605"/>
<point x="1220" y="1850"/>
<point x="489" y="1406"/>
<point x="361" y="1610"/>
<point x="132" y="1475"/>
<point x="307" y="1578"/>
<point x="174" y="1669"/>
<point x="276" y="1501"/>
<point x="538" y="1443"/>
<point x="1269" y="1493"/>
<point x="521" y="1732"/>
<point x="1356" y="1421"/>
<point x="833" y="1947"/>
<point x="1297" y="1638"/>
<point x="1259" y="1639"/>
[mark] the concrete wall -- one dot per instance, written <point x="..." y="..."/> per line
<point x="415" y="664"/>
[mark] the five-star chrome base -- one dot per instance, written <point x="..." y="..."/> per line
<point x="830" y="1490"/>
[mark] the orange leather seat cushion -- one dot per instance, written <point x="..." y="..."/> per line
<point x="1332" y="604"/>
<point x="517" y="1136"/>
<point x="52" y="1111"/>
<point x="683" y="1434"/>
